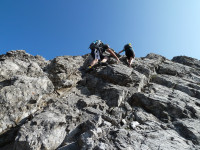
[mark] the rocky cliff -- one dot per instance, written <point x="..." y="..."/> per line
<point x="57" y="104"/>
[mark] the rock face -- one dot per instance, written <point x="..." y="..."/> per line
<point x="58" y="104"/>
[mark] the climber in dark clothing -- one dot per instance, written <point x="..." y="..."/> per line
<point x="129" y="53"/>
<point x="97" y="50"/>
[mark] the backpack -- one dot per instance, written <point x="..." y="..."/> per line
<point x="128" y="47"/>
<point x="96" y="45"/>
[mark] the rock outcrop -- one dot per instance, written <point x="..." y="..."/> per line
<point x="58" y="104"/>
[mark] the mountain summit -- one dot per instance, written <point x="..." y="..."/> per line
<point x="59" y="104"/>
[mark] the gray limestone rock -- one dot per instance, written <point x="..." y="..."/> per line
<point x="64" y="71"/>
<point x="192" y="62"/>
<point x="22" y="98"/>
<point x="191" y="128"/>
<point x="45" y="131"/>
<point x="58" y="104"/>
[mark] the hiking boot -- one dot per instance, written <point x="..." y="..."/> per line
<point x="104" y="64"/>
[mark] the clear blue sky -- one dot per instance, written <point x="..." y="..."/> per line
<point x="53" y="28"/>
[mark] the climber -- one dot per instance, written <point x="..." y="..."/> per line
<point x="129" y="53"/>
<point x="97" y="50"/>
